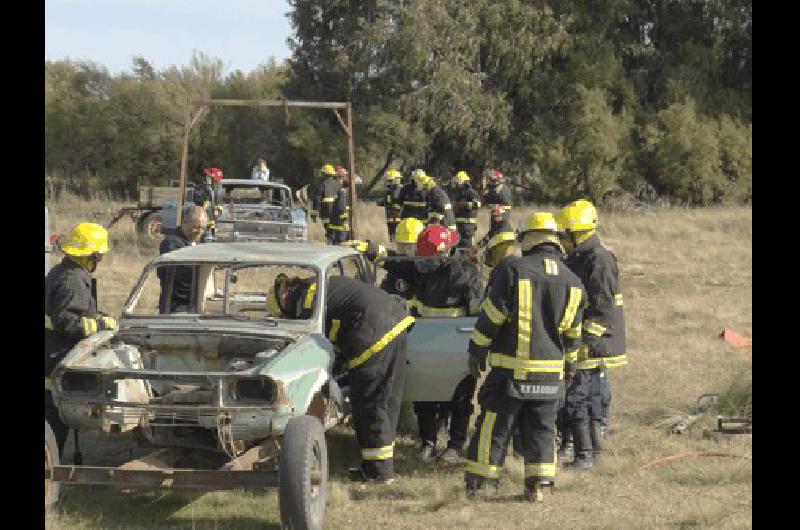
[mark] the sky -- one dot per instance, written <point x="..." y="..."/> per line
<point x="243" y="33"/>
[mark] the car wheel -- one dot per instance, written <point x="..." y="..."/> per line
<point x="303" y="474"/>
<point x="51" y="458"/>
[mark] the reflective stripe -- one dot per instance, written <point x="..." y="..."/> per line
<point x="328" y="199"/>
<point x="325" y="219"/>
<point x="587" y="363"/>
<point x="386" y="339"/>
<point x="468" y="220"/>
<point x="540" y="470"/>
<point x="485" y="439"/>
<point x="501" y="237"/>
<point x="483" y="470"/>
<point x="48" y="383"/>
<point x="48" y="324"/>
<point x="448" y="206"/>
<point x="477" y="204"/>
<point x="434" y="312"/>
<point x="89" y="326"/>
<point x="618" y="299"/>
<point x="495" y="315"/>
<point x="550" y="267"/>
<point x="615" y="361"/>
<point x="435" y="215"/>
<point x="480" y="339"/>
<point x="335" y="323"/>
<point x="309" y="301"/>
<point x="552" y="366"/>
<point x="574" y="333"/>
<point x="524" y="317"/>
<point x="569" y="313"/>
<point x="571" y="356"/>
<point x="594" y="328"/>
<point x="345" y="215"/>
<point x="414" y="203"/>
<point x="378" y="453"/>
<point x="339" y="227"/>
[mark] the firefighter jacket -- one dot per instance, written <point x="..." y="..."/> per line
<point x="70" y="309"/>
<point x="604" y="322"/>
<point x="340" y="211"/>
<point x="181" y="298"/>
<point x="391" y="202"/>
<point x="399" y="277"/>
<point x="466" y="202"/>
<point x="453" y="289"/>
<point x="360" y="319"/>
<point x="497" y="230"/>
<point x="205" y="195"/>
<point x="325" y="197"/>
<point x="500" y="194"/>
<point x="530" y="319"/>
<point x="414" y="202"/>
<point x="440" y="209"/>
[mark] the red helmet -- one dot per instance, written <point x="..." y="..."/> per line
<point x="495" y="175"/>
<point x="497" y="210"/>
<point x="213" y="172"/>
<point x="436" y="239"/>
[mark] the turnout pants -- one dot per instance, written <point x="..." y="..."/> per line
<point x="391" y="226"/>
<point x="459" y="409"/>
<point x="493" y="430"/>
<point x="376" y="391"/>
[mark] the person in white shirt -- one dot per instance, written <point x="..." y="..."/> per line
<point x="260" y="170"/>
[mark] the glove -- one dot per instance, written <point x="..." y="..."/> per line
<point x="476" y="366"/>
<point x="104" y="323"/>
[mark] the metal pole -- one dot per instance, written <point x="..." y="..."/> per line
<point x="352" y="161"/>
<point x="184" y="162"/>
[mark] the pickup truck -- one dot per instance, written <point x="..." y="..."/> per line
<point x="225" y="375"/>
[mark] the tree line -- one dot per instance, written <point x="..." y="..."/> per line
<point x="644" y="98"/>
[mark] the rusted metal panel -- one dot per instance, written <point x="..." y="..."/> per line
<point x="190" y="479"/>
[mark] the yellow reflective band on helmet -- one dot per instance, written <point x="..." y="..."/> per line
<point x="335" y="323"/>
<point x="48" y="383"/>
<point x="483" y="470"/>
<point x="386" y="339"/>
<point x="479" y="338"/>
<point x="500" y="238"/>
<point x="470" y="220"/>
<point x="328" y="199"/>
<point x="495" y="315"/>
<point x="48" y="324"/>
<point x="593" y="328"/>
<point x="309" y="301"/>
<point x="378" y="453"/>
<point x="434" y="312"/>
<point x="414" y="203"/>
<point x="550" y="267"/>
<point x="569" y="313"/>
<point x="571" y="356"/>
<point x="524" y="318"/>
<point x="540" y="470"/>
<point x="574" y="332"/>
<point x="618" y="299"/>
<point x="501" y="360"/>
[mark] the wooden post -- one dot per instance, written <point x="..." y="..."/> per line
<point x="352" y="161"/>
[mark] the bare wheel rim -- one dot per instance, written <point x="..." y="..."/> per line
<point x="48" y="464"/>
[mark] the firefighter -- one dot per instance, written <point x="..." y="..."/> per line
<point x="499" y="228"/>
<point x="325" y="196"/>
<point x="413" y="197"/>
<point x="400" y="275"/>
<point x="70" y="308"/>
<point x="368" y="329"/>
<point x="390" y="201"/>
<point x="529" y="321"/>
<point x="497" y="193"/>
<point x="206" y="194"/>
<point x="603" y="329"/>
<point x="193" y="224"/>
<point x="466" y="202"/>
<point x="440" y="209"/>
<point x="339" y="227"/>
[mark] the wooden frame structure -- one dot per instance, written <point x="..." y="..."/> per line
<point x="195" y="108"/>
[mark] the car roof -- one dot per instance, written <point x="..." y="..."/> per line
<point x="317" y="254"/>
<point x="252" y="183"/>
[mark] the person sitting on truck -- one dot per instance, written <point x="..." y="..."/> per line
<point x="193" y="224"/>
<point x="206" y="194"/>
<point x="70" y="308"/>
<point x="260" y="170"/>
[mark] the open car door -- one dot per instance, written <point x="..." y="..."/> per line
<point x="437" y="358"/>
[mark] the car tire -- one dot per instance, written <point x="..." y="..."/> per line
<point x="303" y="474"/>
<point x="51" y="458"/>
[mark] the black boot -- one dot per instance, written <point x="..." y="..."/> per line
<point x="595" y="432"/>
<point x="583" y="449"/>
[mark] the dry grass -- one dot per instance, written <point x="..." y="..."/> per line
<point x="686" y="274"/>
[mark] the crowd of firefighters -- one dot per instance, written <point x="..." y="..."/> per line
<point x="549" y="322"/>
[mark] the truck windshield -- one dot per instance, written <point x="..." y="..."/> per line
<point x="225" y="290"/>
<point x="245" y="195"/>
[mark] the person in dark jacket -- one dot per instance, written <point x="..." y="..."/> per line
<point x="413" y="197"/>
<point x="529" y="322"/>
<point x="466" y="203"/>
<point x="500" y="229"/>
<point x="497" y="193"/>
<point x="206" y="194"/>
<point x="390" y="201"/>
<point x="326" y="195"/>
<point x="368" y="329"/>
<point x="603" y="333"/>
<point x="440" y="209"/>
<point x="193" y="223"/>
<point x="70" y="308"/>
<point x="339" y="227"/>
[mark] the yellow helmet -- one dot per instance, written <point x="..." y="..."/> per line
<point x="327" y="169"/>
<point x="408" y="230"/>
<point x="561" y="219"/>
<point x="393" y="174"/>
<point x="580" y="215"/>
<point x="540" y="221"/>
<point x="419" y="177"/>
<point x="86" y="239"/>
<point x="429" y="182"/>
<point x="462" y="176"/>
